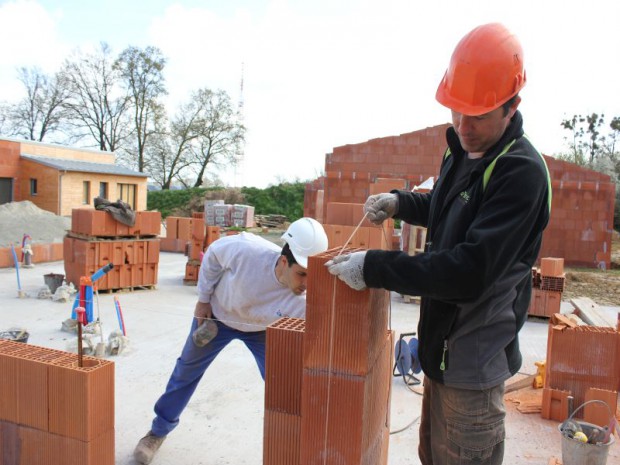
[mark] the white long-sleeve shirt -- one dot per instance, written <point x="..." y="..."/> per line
<point x="237" y="277"/>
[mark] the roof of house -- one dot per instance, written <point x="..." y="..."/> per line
<point x="62" y="164"/>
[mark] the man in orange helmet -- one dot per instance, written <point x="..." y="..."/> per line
<point x="485" y="218"/>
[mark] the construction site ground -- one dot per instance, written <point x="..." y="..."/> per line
<point x="223" y="423"/>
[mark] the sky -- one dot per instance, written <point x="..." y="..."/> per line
<point x="319" y="74"/>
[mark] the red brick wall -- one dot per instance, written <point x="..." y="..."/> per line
<point x="581" y="223"/>
<point x="9" y="164"/>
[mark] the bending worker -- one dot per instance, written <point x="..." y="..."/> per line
<point x="485" y="218"/>
<point x="245" y="284"/>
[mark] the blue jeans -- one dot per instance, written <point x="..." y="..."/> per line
<point x="461" y="426"/>
<point x="190" y="367"/>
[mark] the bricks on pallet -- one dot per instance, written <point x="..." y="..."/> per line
<point x="150" y="274"/>
<point x="242" y="216"/>
<point x="85" y="252"/>
<point x="152" y="251"/>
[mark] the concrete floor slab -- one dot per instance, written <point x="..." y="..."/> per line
<point x="223" y="422"/>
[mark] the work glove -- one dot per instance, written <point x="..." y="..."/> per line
<point x="349" y="268"/>
<point x="380" y="207"/>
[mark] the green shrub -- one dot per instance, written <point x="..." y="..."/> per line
<point x="284" y="199"/>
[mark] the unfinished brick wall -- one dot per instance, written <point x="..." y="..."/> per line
<point x="581" y="223"/>
<point x="52" y="411"/>
<point x="328" y="378"/>
<point x="582" y="357"/>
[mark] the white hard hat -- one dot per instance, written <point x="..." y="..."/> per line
<point x="305" y="237"/>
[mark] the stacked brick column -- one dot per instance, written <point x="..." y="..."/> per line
<point x="53" y="412"/>
<point x="97" y="239"/>
<point x="345" y="374"/>
<point x="201" y="237"/>
<point x="547" y="287"/>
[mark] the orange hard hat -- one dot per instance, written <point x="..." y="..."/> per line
<point x="486" y="70"/>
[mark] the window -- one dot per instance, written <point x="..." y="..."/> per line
<point x="103" y="190"/>
<point x="86" y="192"/>
<point x="127" y="193"/>
<point x="33" y="186"/>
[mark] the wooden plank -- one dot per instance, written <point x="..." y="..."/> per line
<point x="519" y="384"/>
<point x="590" y="312"/>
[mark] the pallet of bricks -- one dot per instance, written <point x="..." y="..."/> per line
<point x="54" y="410"/>
<point x="547" y="287"/>
<point x="201" y="236"/>
<point x="96" y="239"/>
<point x="217" y="213"/>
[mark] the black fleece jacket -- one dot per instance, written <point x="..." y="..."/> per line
<point x="475" y="274"/>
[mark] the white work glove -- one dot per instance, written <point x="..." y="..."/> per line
<point x="380" y="207"/>
<point x="349" y="268"/>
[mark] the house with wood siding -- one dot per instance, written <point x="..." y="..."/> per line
<point x="58" y="178"/>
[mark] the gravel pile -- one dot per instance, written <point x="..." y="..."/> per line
<point x="19" y="218"/>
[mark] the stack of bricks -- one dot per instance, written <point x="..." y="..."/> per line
<point x="178" y="234"/>
<point x="52" y="411"/>
<point x="97" y="239"/>
<point x="547" y="287"/>
<point x="201" y="236"/>
<point x="41" y="253"/>
<point x="328" y="379"/>
<point x="583" y="361"/>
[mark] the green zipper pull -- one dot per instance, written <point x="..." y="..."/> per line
<point x="442" y="367"/>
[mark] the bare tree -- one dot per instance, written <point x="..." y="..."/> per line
<point x="141" y="72"/>
<point x="219" y="134"/>
<point x="97" y="105"/>
<point x="204" y="130"/>
<point x="41" y="112"/>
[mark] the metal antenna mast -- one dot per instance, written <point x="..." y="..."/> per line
<point x="240" y="155"/>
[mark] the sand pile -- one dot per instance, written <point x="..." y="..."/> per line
<point x="19" y="218"/>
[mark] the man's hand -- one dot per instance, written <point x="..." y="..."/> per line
<point x="380" y="207"/>
<point x="202" y="311"/>
<point x="349" y="268"/>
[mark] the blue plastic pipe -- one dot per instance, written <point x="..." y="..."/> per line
<point x="19" y="285"/>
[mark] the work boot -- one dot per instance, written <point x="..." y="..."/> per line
<point x="147" y="447"/>
<point x="205" y="333"/>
